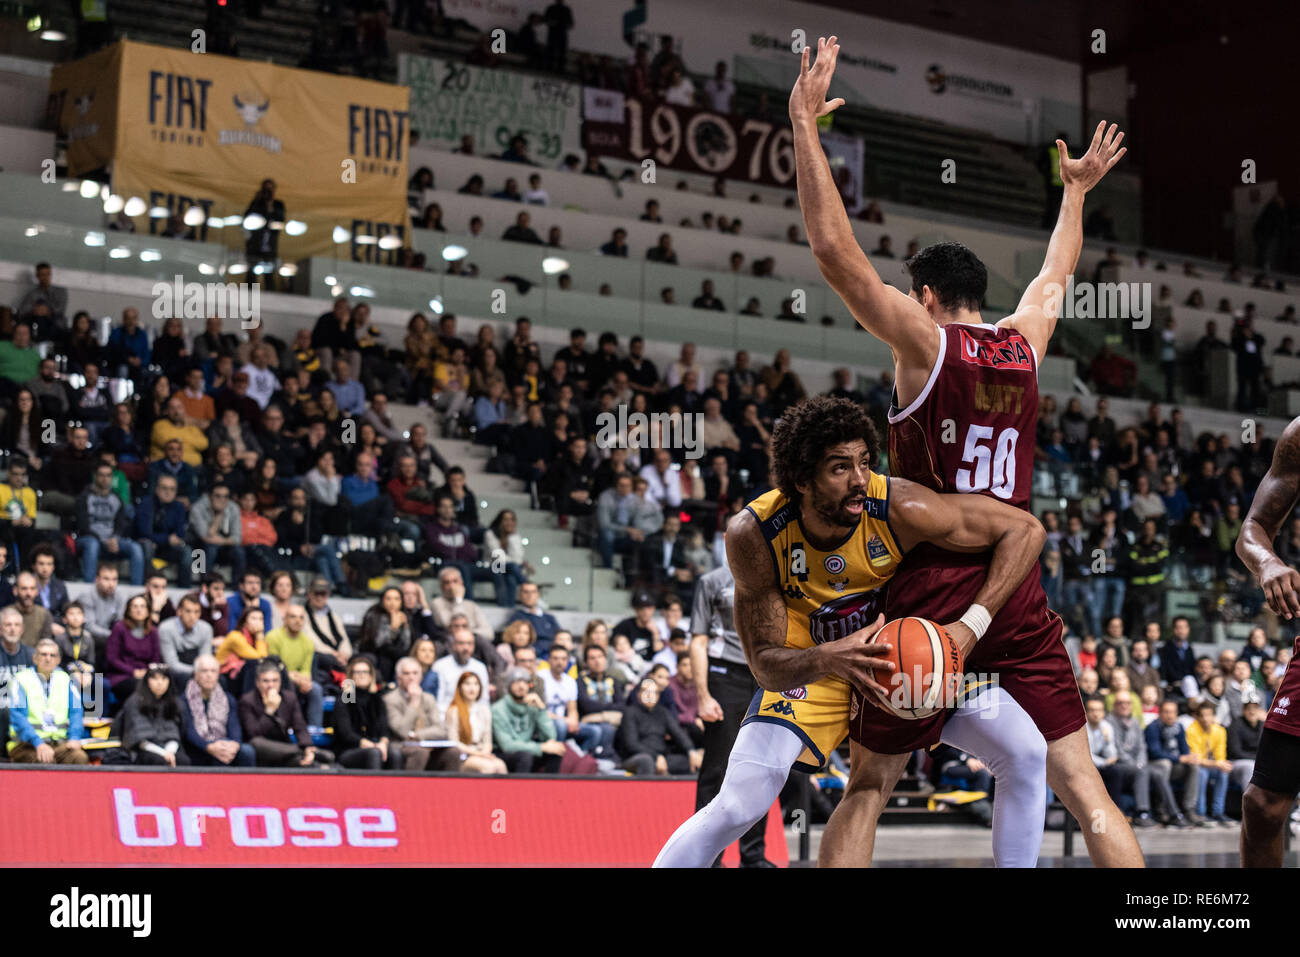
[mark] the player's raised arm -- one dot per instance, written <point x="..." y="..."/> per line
<point x="889" y="315"/>
<point x="1035" y="316"/>
<point x="761" y="622"/>
<point x="970" y="523"/>
<point x="1274" y="499"/>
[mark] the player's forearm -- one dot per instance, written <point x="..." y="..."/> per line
<point x="830" y="237"/>
<point x="1255" y="545"/>
<point x="1014" y="556"/>
<point x="780" y="668"/>
<point x="1066" y="244"/>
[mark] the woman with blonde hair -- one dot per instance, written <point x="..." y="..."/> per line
<point x="469" y="721"/>
<point x="517" y="634"/>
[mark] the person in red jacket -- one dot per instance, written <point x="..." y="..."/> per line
<point x="259" y="535"/>
<point x="412" y="497"/>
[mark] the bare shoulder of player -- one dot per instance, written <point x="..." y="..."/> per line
<point x="1286" y="456"/>
<point x="747" y="552"/>
<point x="1032" y="322"/>
<point x="909" y="515"/>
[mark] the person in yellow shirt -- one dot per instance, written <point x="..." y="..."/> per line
<point x="193" y="442"/>
<point x="18" y="506"/>
<point x="1208" y="743"/>
<point x="293" y="644"/>
<point x="246" y="643"/>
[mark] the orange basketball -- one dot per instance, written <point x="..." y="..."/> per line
<point x="929" y="668"/>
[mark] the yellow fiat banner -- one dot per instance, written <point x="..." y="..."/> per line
<point x="205" y="131"/>
<point x="83" y="108"/>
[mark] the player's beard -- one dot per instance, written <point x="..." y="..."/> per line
<point x="835" y="511"/>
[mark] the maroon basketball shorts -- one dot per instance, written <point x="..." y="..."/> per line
<point x="1284" y="712"/>
<point x="1022" y="652"/>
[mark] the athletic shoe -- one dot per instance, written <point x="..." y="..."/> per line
<point x="1224" y="821"/>
<point x="1197" y="821"/>
<point x="1180" y="822"/>
<point x="1143" y="820"/>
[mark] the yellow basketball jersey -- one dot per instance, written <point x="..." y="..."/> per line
<point x="830" y="594"/>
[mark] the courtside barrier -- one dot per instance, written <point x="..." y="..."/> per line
<point x="62" y="817"/>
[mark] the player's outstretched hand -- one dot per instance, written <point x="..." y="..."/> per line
<point x="1104" y="152"/>
<point x="808" y="98"/>
<point x="1281" y="584"/>
<point x="857" y="660"/>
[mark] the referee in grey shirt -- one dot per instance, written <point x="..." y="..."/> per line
<point x="725" y="687"/>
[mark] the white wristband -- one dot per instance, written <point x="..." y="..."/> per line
<point x="977" y="619"/>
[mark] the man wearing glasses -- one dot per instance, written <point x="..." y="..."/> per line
<point x="214" y="521"/>
<point x="45" y="712"/>
<point x="160" y="527"/>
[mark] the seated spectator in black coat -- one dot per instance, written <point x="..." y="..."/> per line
<point x="151" y="721"/>
<point x="268" y="714"/>
<point x="706" y="299"/>
<point x="573" y="481"/>
<point x="639" y="626"/>
<point x="617" y="246"/>
<point x="662" y="253"/>
<point x="651" y="739"/>
<point x="522" y="232"/>
<point x="361" y="734"/>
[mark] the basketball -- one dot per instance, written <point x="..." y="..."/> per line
<point x="929" y="668"/>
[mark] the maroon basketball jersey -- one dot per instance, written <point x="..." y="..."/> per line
<point x="972" y="428"/>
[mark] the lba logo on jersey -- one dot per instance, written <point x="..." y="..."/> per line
<point x="1008" y="354"/>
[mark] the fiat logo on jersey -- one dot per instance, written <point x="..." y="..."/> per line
<point x="843" y="616"/>
<point x="796" y="694"/>
<point x="834" y="564"/>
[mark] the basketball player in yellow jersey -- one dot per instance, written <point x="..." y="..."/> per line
<point x="811" y="560"/>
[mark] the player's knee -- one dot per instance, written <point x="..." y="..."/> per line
<point x="1027" y="761"/>
<point x="747" y="792"/>
<point x="1265" y="808"/>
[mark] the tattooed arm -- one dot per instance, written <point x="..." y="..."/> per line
<point x="761" y="622"/>
<point x="1274" y="499"/>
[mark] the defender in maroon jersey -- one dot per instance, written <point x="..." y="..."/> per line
<point x="965" y="410"/>
<point x="1266" y="804"/>
<point x="971" y="429"/>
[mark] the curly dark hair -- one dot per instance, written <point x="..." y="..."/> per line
<point x="955" y="274"/>
<point x="807" y="430"/>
